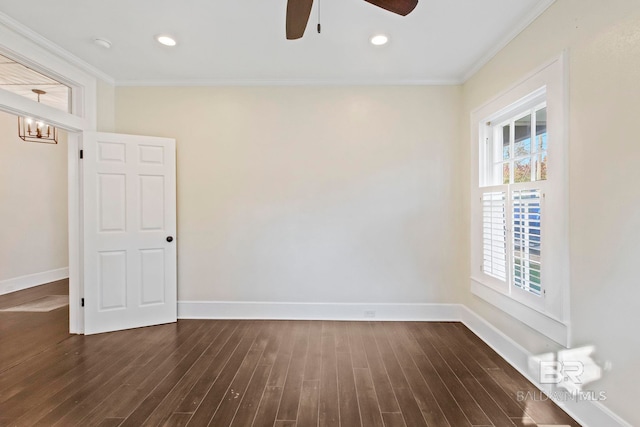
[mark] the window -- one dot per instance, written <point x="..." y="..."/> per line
<point x="519" y="231"/>
<point x="516" y="147"/>
<point x="520" y="153"/>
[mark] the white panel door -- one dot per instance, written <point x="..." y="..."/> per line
<point x="129" y="198"/>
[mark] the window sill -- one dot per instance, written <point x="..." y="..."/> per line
<point x="543" y="323"/>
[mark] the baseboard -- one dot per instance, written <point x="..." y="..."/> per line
<point x="316" y="311"/>
<point x="587" y="413"/>
<point x="31" y="280"/>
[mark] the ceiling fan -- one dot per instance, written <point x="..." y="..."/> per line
<point x="298" y="12"/>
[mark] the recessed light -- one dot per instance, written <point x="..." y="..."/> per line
<point x="379" y="40"/>
<point x="166" y="40"/>
<point x="102" y="43"/>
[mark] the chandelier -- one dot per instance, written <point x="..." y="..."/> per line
<point x="31" y="130"/>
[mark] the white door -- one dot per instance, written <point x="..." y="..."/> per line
<point x="129" y="198"/>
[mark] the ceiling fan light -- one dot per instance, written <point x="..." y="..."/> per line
<point x="166" y="40"/>
<point x="379" y="40"/>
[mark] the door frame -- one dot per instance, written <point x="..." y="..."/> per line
<point x="38" y="53"/>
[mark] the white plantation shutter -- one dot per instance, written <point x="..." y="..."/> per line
<point x="494" y="234"/>
<point x="526" y="233"/>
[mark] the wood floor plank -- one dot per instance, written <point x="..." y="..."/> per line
<point x="389" y="360"/>
<point x="14" y="400"/>
<point x="281" y="363"/>
<point x="399" y="344"/>
<point x="309" y="397"/>
<point x="467" y="403"/>
<point x="66" y="392"/>
<point x="268" y="408"/>
<point x="235" y="393"/>
<point x="249" y="406"/>
<point x="384" y="392"/>
<point x="177" y="420"/>
<point x="367" y="400"/>
<point x="140" y="380"/>
<point x="329" y="410"/>
<point x="77" y="391"/>
<point x="509" y="405"/>
<point x="152" y="351"/>
<point x="404" y="396"/>
<point x="409" y="408"/>
<point x="172" y="400"/>
<point x="358" y="355"/>
<point x="342" y="337"/>
<point x="445" y="400"/>
<point x="31" y="333"/>
<point x="393" y="419"/>
<point x="216" y="393"/>
<point x="275" y="334"/>
<point x="111" y="422"/>
<point x="194" y="397"/>
<point x="347" y="394"/>
<point x="288" y="409"/>
<point x="314" y="352"/>
<point x="157" y="394"/>
<point x="491" y="409"/>
<point x="426" y="400"/>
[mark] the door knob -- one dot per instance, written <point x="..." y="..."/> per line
<point x="169" y="239"/>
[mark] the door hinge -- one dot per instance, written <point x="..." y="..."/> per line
<point x="82" y="154"/>
<point x="82" y="302"/>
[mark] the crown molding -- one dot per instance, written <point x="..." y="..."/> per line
<point x="542" y="6"/>
<point x="53" y="48"/>
<point x="289" y="82"/>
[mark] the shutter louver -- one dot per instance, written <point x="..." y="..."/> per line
<point x="494" y="234"/>
<point x="526" y="240"/>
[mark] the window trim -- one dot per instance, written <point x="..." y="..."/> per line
<point x="552" y="317"/>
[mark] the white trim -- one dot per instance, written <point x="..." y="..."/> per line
<point x="30" y="280"/>
<point x="315" y="311"/>
<point x="562" y="58"/>
<point x="541" y="322"/>
<point x="50" y="46"/>
<point x="74" y="221"/>
<point x="21" y="106"/>
<point x="289" y="82"/>
<point x="507" y="38"/>
<point x="587" y="413"/>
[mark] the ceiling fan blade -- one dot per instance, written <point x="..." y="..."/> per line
<point x="401" y="7"/>
<point x="298" y="12"/>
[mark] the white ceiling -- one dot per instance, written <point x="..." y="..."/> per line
<point x="243" y="41"/>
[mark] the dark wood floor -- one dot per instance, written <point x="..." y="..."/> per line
<point x="268" y="373"/>
<point x="23" y="335"/>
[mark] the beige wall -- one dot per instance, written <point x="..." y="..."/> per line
<point x="603" y="42"/>
<point x="33" y="204"/>
<point x="106" y="115"/>
<point x="323" y="194"/>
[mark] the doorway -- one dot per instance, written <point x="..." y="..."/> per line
<point x="34" y="286"/>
